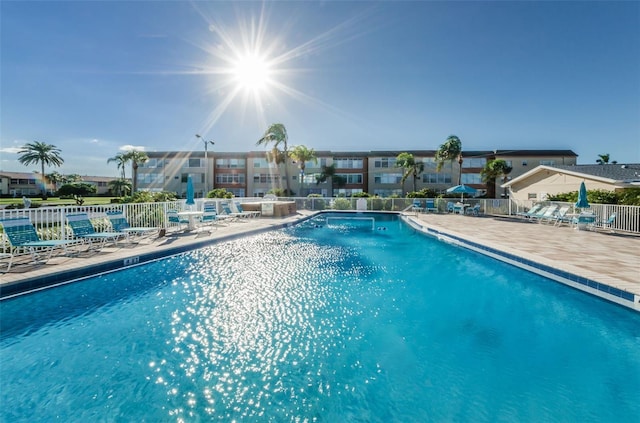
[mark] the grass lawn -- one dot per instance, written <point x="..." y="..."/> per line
<point x="55" y="201"/>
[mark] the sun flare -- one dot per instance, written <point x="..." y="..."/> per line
<point x="251" y="72"/>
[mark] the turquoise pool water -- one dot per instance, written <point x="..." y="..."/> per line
<point x="321" y="323"/>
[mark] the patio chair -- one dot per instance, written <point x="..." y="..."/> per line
<point x="543" y="213"/>
<point x="604" y="224"/>
<point x="21" y="234"/>
<point x="174" y="220"/>
<point x="83" y="229"/>
<point x="450" y="207"/>
<point x="416" y="207"/>
<point x="532" y="211"/>
<point x="473" y="211"/>
<point x="210" y="214"/>
<point x="236" y="207"/>
<point x="561" y="216"/>
<point x="230" y="214"/>
<point x="430" y="205"/>
<point x="119" y="223"/>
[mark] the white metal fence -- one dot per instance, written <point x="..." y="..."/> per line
<point x="50" y="222"/>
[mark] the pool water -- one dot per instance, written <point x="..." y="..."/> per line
<point x="320" y="322"/>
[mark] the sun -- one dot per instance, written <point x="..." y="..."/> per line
<point x="252" y="72"/>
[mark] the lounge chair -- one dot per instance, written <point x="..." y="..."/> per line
<point x="532" y="211"/>
<point x="416" y="207"/>
<point x="473" y="211"/>
<point x="604" y="224"/>
<point x="430" y="205"/>
<point x="210" y="214"/>
<point x="561" y="216"/>
<point x="450" y="207"/>
<point x="174" y="220"/>
<point x="83" y="229"/>
<point x="119" y="223"/>
<point x="236" y="207"/>
<point x="548" y="214"/>
<point x="230" y="214"/>
<point x="21" y="234"/>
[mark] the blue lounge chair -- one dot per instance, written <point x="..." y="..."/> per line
<point x="119" y="223"/>
<point x="174" y="220"/>
<point x="21" y="234"/>
<point x="236" y="207"/>
<point x="83" y="229"/>
<point x="450" y="207"/>
<point x="473" y="211"/>
<point x="430" y="205"/>
<point x="210" y="214"/>
<point x="604" y="224"/>
<point x="416" y="207"/>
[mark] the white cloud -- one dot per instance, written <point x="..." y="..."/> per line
<point x="12" y="150"/>
<point x="132" y="147"/>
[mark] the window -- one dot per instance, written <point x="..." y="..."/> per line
<point x="230" y="178"/>
<point x="152" y="163"/>
<point x="387" y="192"/>
<point x="436" y="178"/>
<point x="257" y="163"/>
<point x="430" y="163"/>
<point x="524" y="163"/>
<point x="193" y="163"/>
<point x="347" y="163"/>
<point x="547" y="162"/>
<point x="474" y="162"/>
<point x="237" y="192"/>
<point x="388" y="178"/>
<point x="265" y="178"/>
<point x="352" y="178"/>
<point x="532" y="196"/>
<point x="231" y="163"/>
<point x="383" y="162"/>
<point x="150" y="178"/>
<point x="346" y="192"/>
<point x="471" y="178"/>
<point x="195" y="177"/>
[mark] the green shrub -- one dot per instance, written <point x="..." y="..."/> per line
<point x="342" y="204"/>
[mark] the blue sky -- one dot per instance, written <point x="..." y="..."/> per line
<point x="94" y="77"/>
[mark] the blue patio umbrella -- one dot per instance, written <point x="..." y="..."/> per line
<point x="582" y="202"/>
<point x="462" y="189"/>
<point x="190" y="201"/>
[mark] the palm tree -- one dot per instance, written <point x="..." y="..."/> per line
<point x="276" y="134"/>
<point x="121" y="161"/>
<point x="135" y="157"/>
<point x="603" y="159"/>
<point x="55" y="178"/>
<point x="302" y="155"/>
<point x="43" y="153"/>
<point x="411" y="167"/>
<point x="448" y="152"/>
<point x="120" y="186"/>
<point x="492" y="171"/>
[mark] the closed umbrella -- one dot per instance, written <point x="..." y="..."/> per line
<point x="190" y="201"/>
<point x="462" y="189"/>
<point x="582" y="202"/>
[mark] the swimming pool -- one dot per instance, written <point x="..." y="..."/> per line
<point x="323" y="321"/>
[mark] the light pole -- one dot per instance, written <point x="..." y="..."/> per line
<point x="206" y="165"/>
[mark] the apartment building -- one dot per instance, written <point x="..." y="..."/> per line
<point x="19" y="184"/>
<point x="251" y="174"/>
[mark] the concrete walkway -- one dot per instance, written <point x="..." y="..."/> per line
<point x="612" y="259"/>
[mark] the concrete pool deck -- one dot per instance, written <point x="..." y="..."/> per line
<point x="608" y="258"/>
